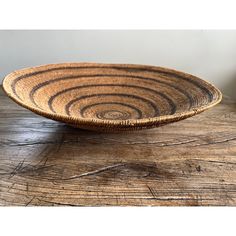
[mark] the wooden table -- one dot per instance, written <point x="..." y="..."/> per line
<point x="191" y="162"/>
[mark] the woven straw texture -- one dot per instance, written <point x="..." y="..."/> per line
<point x="110" y="97"/>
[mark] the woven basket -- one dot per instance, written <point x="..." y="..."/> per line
<point x="110" y="97"/>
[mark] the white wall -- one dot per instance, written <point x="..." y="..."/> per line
<point x="210" y="55"/>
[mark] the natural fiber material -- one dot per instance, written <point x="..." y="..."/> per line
<point x="110" y="97"/>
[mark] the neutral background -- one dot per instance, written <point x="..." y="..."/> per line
<point x="208" y="54"/>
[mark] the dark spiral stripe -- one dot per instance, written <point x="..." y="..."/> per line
<point x="196" y="83"/>
<point x="205" y="90"/>
<point x="113" y="115"/>
<point x="41" y="85"/>
<point x="150" y="103"/>
<point x="51" y="99"/>
<point x="82" y="111"/>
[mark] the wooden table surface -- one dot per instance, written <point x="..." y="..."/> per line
<point x="191" y="162"/>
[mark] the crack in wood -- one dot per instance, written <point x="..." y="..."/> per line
<point x="217" y="162"/>
<point x="57" y="203"/>
<point x="26" y="169"/>
<point x="27" y="204"/>
<point x="60" y="142"/>
<point x="156" y="143"/>
<point x="215" y="142"/>
<point x="152" y="191"/>
<point x="178" y="199"/>
<point x="17" y="168"/>
<point x="95" y="172"/>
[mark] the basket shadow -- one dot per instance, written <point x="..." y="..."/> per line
<point x="70" y="154"/>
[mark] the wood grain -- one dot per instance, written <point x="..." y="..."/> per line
<point x="188" y="163"/>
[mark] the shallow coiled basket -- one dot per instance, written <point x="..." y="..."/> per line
<point x="110" y="97"/>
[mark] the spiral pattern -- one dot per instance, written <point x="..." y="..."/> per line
<point x="81" y="91"/>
